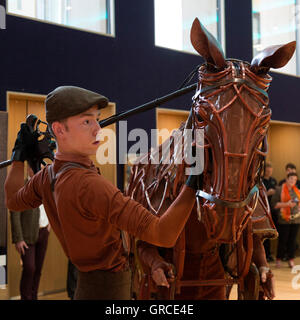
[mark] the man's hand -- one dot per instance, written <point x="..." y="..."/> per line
<point x="195" y="181"/>
<point x="162" y="274"/>
<point x="21" y="246"/>
<point x="267" y="282"/>
<point x="291" y="204"/>
<point x="266" y="276"/>
<point x="25" y="144"/>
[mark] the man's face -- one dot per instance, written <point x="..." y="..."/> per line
<point x="268" y="171"/>
<point x="291" y="181"/>
<point x="81" y="134"/>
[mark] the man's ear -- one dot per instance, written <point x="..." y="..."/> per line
<point x="58" y="128"/>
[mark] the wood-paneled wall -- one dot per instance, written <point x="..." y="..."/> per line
<point x="284" y="147"/>
<point x="169" y="119"/>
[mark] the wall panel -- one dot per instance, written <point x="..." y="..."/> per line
<point x="284" y="147"/>
<point x="169" y="119"/>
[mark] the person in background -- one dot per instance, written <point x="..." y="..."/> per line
<point x="286" y="201"/>
<point x="290" y="167"/>
<point x="30" y="232"/>
<point x="270" y="184"/>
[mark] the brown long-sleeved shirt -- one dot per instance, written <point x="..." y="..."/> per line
<point x="88" y="213"/>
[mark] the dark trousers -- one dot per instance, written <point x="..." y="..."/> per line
<point x="32" y="266"/>
<point x="287" y="240"/>
<point x="71" y="280"/>
<point x="103" y="285"/>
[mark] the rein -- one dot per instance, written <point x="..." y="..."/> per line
<point x="233" y="81"/>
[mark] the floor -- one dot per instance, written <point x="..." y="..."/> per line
<point x="287" y="281"/>
<point x="55" y="296"/>
<point x="287" y="284"/>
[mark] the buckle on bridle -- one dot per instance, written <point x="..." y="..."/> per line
<point x="225" y="203"/>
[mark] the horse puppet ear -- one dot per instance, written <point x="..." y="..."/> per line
<point x="206" y="45"/>
<point x="273" y="57"/>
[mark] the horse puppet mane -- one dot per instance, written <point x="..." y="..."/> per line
<point x="158" y="176"/>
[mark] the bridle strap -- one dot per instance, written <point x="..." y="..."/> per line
<point x="228" y="204"/>
<point x="234" y="81"/>
<point x="255" y="189"/>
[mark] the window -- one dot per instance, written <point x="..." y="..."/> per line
<point x="174" y="18"/>
<point x="276" y="22"/>
<point x="2" y="17"/>
<point x="91" y="15"/>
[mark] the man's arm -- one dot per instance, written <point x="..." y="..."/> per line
<point x="131" y="216"/>
<point x="289" y="203"/>
<point x="167" y="228"/>
<point x="159" y="268"/>
<point x="266" y="276"/>
<point x="24" y="146"/>
<point x="107" y="202"/>
<point x="13" y="183"/>
<point x="20" y="197"/>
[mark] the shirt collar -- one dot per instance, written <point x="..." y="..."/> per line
<point x="84" y="160"/>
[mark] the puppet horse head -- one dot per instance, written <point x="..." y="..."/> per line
<point x="231" y="105"/>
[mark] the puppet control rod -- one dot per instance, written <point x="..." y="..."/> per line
<point x="146" y="106"/>
<point x="122" y="115"/>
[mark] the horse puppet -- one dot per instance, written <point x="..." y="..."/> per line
<point x="222" y="242"/>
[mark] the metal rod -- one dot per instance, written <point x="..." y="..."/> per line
<point x="147" y="106"/>
<point x="122" y="115"/>
<point x="5" y="163"/>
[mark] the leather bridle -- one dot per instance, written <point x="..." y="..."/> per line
<point x="229" y="204"/>
<point x="217" y="86"/>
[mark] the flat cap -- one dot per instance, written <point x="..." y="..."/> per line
<point x="68" y="101"/>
